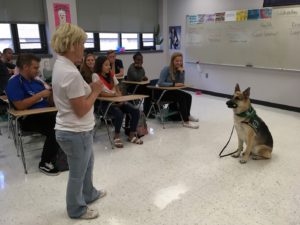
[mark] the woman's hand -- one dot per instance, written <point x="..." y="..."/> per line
<point x="179" y="84"/>
<point x="96" y="86"/>
<point x="181" y="69"/>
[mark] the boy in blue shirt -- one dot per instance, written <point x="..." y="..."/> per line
<point x="24" y="91"/>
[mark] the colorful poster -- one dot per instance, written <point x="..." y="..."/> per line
<point x="220" y="17"/>
<point x="62" y="13"/>
<point x="192" y="19"/>
<point x="265" y="13"/>
<point x="253" y="14"/>
<point x="230" y="16"/>
<point x="175" y="37"/>
<point x="241" y="15"/>
<point x="201" y="18"/>
<point x="210" y="18"/>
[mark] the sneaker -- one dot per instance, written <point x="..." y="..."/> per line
<point x="89" y="214"/>
<point x="48" y="169"/>
<point x="190" y="125"/>
<point x="101" y="194"/>
<point x="193" y="119"/>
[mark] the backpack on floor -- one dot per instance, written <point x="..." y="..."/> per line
<point x="142" y="128"/>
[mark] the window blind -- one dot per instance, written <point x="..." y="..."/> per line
<point x="117" y="15"/>
<point x="16" y="11"/>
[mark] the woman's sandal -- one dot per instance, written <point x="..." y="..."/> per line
<point x="118" y="143"/>
<point x="136" y="140"/>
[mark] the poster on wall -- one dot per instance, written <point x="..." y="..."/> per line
<point x="62" y="13"/>
<point x="230" y="16"/>
<point x="175" y="37"/>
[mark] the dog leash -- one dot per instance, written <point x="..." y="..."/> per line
<point x="220" y="154"/>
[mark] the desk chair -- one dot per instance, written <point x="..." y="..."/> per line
<point x="19" y="134"/>
<point x="100" y="115"/>
<point x="160" y="107"/>
<point x="3" y="110"/>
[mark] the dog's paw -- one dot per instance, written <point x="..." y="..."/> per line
<point x="243" y="161"/>
<point x="236" y="155"/>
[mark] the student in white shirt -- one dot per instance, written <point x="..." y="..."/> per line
<point x="74" y="99"/>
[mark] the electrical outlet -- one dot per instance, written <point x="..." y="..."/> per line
<point x="206" y="75"/>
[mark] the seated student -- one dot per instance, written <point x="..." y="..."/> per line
<point x="136" y="72"/>
<point x="8" y="60"/>
<point x="24" y="91"/>
<point x="116" y="65"/>
<point x="173" y="75"/>
<point x="4" y="77"/>
<point x="110" y="89"/>
<point x="87" y="67"/>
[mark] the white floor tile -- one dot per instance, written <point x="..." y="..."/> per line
<point x="174" y="178"/>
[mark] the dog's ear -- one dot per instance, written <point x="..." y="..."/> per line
<point x="237" y="88"/>
<point x="246" y="93"/>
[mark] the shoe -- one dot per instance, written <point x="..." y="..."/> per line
<point x="193" y="119"/>
<point x="89" y="214"/>
<point x="48" y="169"/>
<point x="101" y="194"/>
<point x="190" y="125"/>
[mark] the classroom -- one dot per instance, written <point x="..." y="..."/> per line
<point x="149" y="112"/>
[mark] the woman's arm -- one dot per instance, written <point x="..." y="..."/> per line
<point x="82" y="105"/>
<point x="162" y="82"/>
<point x="105" y="94"/>
<point x="118" y="91"/>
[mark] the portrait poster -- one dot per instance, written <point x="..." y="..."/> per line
<point x="62" y="13"/>
<point x="175" y="37"/>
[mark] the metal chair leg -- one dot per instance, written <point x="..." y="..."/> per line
<point x="21" y="149"/>
<point x="108" y="133"/>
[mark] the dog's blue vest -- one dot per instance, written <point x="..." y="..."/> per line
<point x="254" y="120"/>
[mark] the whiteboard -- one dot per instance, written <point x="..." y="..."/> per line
<point x="272" y="43"/>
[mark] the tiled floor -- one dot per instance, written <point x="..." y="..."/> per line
<point x="175" y="178"/>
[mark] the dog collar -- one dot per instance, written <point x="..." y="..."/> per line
<point x="254" y="121"/>
<point x="249" y="113"/>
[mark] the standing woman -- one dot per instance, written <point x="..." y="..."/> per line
<point x="174" y="75"/>
<point x="87" y="67"/>
<point x="74" y="99"/>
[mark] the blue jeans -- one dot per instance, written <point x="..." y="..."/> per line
<point x="118" y="111"/>
<point x="78" y="147"/>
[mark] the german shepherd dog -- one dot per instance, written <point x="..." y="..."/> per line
<point x="250" y="129"/>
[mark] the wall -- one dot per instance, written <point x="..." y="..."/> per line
<point x="153" y="62"/>
<point x="281" y="87"/>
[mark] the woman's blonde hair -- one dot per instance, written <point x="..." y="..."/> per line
<point x="172" y="69"/>
<point x="66" y="36"/>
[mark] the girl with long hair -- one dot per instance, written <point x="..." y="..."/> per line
<point x="174" y="75"/>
